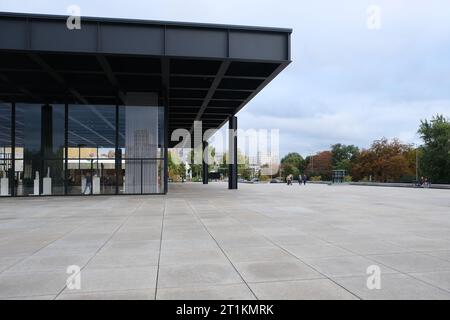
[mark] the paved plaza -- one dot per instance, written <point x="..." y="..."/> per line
<point x="266" y="241"/>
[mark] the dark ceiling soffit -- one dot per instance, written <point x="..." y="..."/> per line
<point x="261" y="86"/>
<point x="219" y="76"/>
<point x="58" y="78"/>
<point x="19" y="88"/>
<point x="106" y="67"/>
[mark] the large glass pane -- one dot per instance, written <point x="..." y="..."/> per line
<point x="92" y="134"/>
<point x="5" y="148"/>
<point x="141" y="143"/>
<point x="146" y="177"/>
<point x="39" y="149"/>
<point x="149" y="185"/>
<point x="105" y="169"/>
<point x="161" y="176"/>
<point x="130" y="179"/>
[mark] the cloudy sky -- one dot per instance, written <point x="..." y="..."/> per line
<point x="347" y="83"/>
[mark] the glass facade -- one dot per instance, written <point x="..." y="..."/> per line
<point x="141" y="149"/>
<point x="39" y="149"/>
<point x="5" y="149"/>
<point x="91" y="149"/>
<point x="57" y="149"/>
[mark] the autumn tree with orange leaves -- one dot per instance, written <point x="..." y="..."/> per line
<point x="385" y="161"/>
<point x="320" y="165"/>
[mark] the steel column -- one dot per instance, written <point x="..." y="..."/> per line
<point x="118" y="150"/>
<point x="232" y="154"/>
<point x="12" y="172"/>
<point x="66" y="148"/>
<point x="205" y="174"/>
<point x="166" y="142"/>
<point x="165" y="73"/>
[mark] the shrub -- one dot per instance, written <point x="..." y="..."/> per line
<point x="348" y="178"/>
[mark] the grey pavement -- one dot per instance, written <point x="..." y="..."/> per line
<point x="263" y="241"/>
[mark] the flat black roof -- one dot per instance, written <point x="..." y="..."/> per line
<point x="208" y="71"/>
<point x="147" y="22"/>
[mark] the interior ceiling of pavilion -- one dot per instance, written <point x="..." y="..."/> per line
<point x="206" y="90"/>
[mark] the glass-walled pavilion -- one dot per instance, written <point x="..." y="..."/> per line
<point x="91" y="110"/>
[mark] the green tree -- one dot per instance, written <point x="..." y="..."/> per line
<point x="435" y="153"/>
<point x="288" y="169"/>
<point x="294" y="159"/>
<point x="181" y="170"/>
<point x="171" y="164"/>
<point x="196" y="169"/>
<point x="177" y="168"/>
<point x="343" y="156"/>
<point x="293" y="163"/>
<point x="244" y="170"/>
<point x="223" y="165"/>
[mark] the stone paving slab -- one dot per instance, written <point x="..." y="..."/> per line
<point x="263" y="241"/>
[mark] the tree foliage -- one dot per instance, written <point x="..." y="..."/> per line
<point x="244" y="170"/>
<point x="177" y="169"/>
<point x="320" y="165"/>
<point x="384" y="161"/>
<point x="342" y="156"/>
<point x="435" y="158"/>
<point x="293" y="163"/>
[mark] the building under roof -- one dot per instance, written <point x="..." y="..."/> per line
<point x="89" y="80"/>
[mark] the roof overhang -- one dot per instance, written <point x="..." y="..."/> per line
<point x="208" y="71"/>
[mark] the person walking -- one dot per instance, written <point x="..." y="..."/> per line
<point x="304" y="179"/>
<point x="289" y="179"/>
<point x="300" y="179"/>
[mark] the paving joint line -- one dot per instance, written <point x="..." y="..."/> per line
<point x="42" y="248"/>
<point x="221" y="249"/>
<point x="280" y="247"/>
<point x="102" y="246"/>
<point x="160" y="247"/>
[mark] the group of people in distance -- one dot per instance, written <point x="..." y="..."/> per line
<point x="301" y="179"/>
<point x="424" y="183"/>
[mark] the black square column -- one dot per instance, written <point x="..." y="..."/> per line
<point x="232" y="154"/>
<point x="205" y="173"/>
<point x="12" y="169"/>
<point x="46" y="142"/>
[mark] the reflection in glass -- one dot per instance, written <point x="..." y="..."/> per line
<point x="101" y="158"/>
<point x="91" y="133"/>
<point x="39" y="149"/>
<point x="140" y="141"/>
<point x="5" y="149"/>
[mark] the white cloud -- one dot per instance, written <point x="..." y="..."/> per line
<point x="346" y="83"/>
